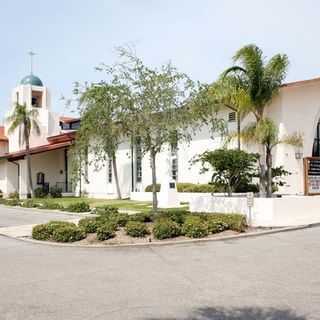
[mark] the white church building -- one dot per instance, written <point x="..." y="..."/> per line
<point x="295" y="109"/>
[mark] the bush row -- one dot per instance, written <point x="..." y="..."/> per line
<point x="207" y="188"/>
<point x="80" y="206"/>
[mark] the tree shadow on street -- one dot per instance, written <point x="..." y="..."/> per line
<point x="210" y="313"/>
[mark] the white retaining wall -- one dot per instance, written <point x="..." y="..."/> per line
<point x="267" y="212"/>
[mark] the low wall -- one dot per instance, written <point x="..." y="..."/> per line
<point x="276" y="212"/>
<point x="183" y="196"/>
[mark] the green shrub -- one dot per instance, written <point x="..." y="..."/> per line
<point x="45" y="231"/>
<point x="41" y="232"/>
<point x="81" y="206"/>
<point x="55" y="192"/>
<point x="106" y="231"/>
<point x="120" y="219"/>
<point x="105" y="210"/>
<point x="166" y="228"/>
<point x="52" y="225"/>
<point x="136" y="229"/>
<point x="89" y="225"/>
<point x="142" y="217"/>
<point x="13" y="195"/>
<point x="216" y="226"/>
<point x="149" y="187"/>
<point x="195" y="227"/>
<point x="40" y="192"/>
<point x="68" y="234"/>
<point x="51" y="205"/>
<point x="234" y="221"/>
<point x="12" y="202"/>
<point x="179" y="216"/>
<point x="29" y="204"/>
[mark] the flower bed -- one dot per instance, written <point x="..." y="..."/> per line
<point x="112" y="227"/>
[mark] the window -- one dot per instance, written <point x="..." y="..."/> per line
<point x="40" y="178"/>
<point x="174" y="157"/>
<point x="316" y="142"/>
<point x="174" y="169"/>
<point x="232" y="116"/>
<point x="138" y="160"/>
<point x="36" y="100"/>
<point x="110" y="171"/>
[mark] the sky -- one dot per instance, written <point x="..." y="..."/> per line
<point x="200" y="37"/>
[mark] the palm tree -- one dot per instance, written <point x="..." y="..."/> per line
<point x="229" y="93"/>
<point x="261" y="80"/>
<point x="25" y="120"/>
<point x="266" y="134"/>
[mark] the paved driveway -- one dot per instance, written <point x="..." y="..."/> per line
<point x="19" y="216"/>
<point x="273" y="277"/>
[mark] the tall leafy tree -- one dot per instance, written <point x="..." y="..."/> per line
<point x="159" y="106"/>
<point x="101" y="130"/>
<point x="25" y="121"/>
<point x="261" y="80"/>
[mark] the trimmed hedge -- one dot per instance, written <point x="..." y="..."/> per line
<point x="176" y="215"/>
<point x="68" y="234"/>
<point x="142" y="217"/>
<point x="136" y="229"/>
<point x="105" y="210"/>
<point x="190" y="187"/>
<point x="89" y="225"/>
<point x="61" y="231"/>
<point x="195" y="227"/>
<point x="207" y="188"/>
<point x="234" y="221"/>
<point x="166" y="228"/>
<point x="41" y="232"/>
<point x="81" y="206"/>
<point x="106" y="231"/>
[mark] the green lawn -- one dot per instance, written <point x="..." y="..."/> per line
<point x="142" y="206"/>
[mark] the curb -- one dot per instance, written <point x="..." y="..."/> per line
<point x="167" y="243"/>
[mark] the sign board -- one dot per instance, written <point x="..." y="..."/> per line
<point x="250" y="199"/>
<point x="311" y="175"/>
<point x="172" y="185"/>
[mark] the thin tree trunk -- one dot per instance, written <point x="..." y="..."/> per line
<point x="269" y="172"/>
<point x="238" y="130"/>
<point x="154" y="181"/>
<point x="29" y="173"/>
<point x="262" y="174"/>
<point x="115" y="172"/>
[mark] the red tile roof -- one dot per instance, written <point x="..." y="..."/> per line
<point x="68" y="119"/>
<point x="35" y="150"/>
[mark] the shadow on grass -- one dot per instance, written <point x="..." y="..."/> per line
<point x="211" y="313"/>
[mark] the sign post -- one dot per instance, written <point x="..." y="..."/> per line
<point x="250" y="202"/>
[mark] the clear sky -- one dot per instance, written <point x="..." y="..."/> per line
<point x="200" y="37"/>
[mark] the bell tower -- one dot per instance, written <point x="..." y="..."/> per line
<point x="35" y="95"/>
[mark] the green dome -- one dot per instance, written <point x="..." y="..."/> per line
<point x="33" y="80"/>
